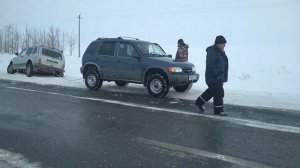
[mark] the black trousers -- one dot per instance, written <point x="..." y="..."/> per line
<point x="215" y="91"/>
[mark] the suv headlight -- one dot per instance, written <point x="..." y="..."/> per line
<point x="175" y="69"/>
<point x="194" y="69"/>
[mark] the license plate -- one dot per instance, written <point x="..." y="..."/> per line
<point x="193" y="77"/>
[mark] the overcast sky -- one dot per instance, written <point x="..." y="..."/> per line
<point x="251" y="27"/>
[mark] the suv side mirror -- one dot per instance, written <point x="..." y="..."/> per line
<point x="17" y="54"/>
<point x="170" y="55"/>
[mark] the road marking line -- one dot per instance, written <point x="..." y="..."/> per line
<point x="198" y="153"/>
<point x="238" y="121"/>
<point x="16" y="160"/>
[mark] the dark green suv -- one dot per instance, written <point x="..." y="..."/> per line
<point x="128" y="60"/>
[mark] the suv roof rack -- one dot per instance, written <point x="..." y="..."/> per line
<point x="101" y="38"/>
<point x="123" y="37"/>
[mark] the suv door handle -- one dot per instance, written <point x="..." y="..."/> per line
<point x="119" y="61"/>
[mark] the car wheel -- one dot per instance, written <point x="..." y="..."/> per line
<point x="29" y="70"/>
<point x="121" y="83"/>
<point x="157" y="86"/>
<point x="183" y="88"/>
<point x="92" y="80"/>
<point x="10" y="69"/>
<point x="59" y="74"/>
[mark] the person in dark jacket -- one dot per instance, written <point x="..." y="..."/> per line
<point x="216" y="74"/>
<point x="182" y="51"/>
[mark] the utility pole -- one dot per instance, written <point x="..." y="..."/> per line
<point x="79" y="17"/>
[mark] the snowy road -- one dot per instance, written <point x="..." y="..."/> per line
<point x="237" y="92"/>
<point x="54" y="126"/>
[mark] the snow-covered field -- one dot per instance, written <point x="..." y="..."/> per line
<point x="276" y="89"/>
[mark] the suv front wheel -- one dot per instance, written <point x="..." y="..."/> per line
<point x="157" y="86"/>
<point x="10" y="69"/>
<point x="92" y="80"/>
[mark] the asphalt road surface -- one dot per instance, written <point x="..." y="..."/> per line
<point x="52" y="126"/>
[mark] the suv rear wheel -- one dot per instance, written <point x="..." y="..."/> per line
<point x="92" y="80"/>
<point x="59" y="74"/>
<point x="121" y="83"/>
<point x="10" y="69"/>
<point x="157" y="86"/>
<point x="183" y="88"/>
<point x="29" y="70"/>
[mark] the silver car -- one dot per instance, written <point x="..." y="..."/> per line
<point x="38" y="59"/>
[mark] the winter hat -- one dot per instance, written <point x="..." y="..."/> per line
<point x="180" y="41"/>
<point x="220" y="40"/>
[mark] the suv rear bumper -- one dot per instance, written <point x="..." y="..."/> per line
<point x="181" y="79"/>
<point x="46" y="69"/>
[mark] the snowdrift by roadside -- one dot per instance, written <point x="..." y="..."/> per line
<point x="244" y="89"/>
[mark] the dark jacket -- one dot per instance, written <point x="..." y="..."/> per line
<point x="182" y="53"/>
<point x="216" y="66"/>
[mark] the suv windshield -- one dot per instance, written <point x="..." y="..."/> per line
<point x="151" y="49"/>
<point x="23" y="52"/>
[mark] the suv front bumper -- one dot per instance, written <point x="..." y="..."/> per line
<point x="182" y="79"/>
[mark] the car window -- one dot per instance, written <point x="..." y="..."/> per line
<point x="23" y="52"/>
<point x="29" y="51"/>
<point x="127" y="50"/>
<point x="92" y="48"/>
<point x="34" y="50"/>
<point x="151" y="49"/>
<point x="107" y="48"/>
<point x="157" y="49"/>
<point x="51" y="53"/>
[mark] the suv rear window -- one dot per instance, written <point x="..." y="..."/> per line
<point x="92" y="48"/>
<point x="51" y="53"/>
<point x="107" y="48"/>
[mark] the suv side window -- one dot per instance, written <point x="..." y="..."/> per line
<point x="107" y="48"/>
<point x="127" y="50"/>
<point x="92" y="48"/>
<point x="34" y="50"/>
<point x="29" y="51"/>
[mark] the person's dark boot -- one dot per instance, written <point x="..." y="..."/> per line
<point x="200" y="106"/>
<point x="222" y="114"/>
